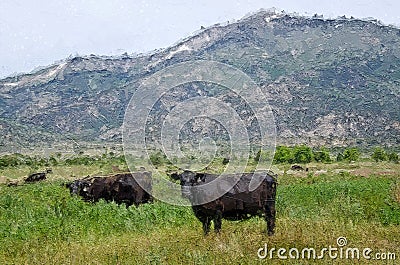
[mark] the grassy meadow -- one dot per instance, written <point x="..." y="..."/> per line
<point x="42" y="224"/>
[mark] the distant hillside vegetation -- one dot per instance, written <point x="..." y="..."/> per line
<point x="329" y="82"/>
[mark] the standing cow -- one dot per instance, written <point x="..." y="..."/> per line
<point x="238" y="202"/>
<point x="131" y="188"/>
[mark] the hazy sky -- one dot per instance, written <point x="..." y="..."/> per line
<point x="37" y="33"/>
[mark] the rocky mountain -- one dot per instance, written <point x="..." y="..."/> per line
<point x="329" y="82"/>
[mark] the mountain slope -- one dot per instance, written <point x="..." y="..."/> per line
<point x="329" y="82"/>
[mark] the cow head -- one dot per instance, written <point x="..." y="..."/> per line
<point x="79" y="187"/>
<point x="271" y="186"/>
<point x="187" y="180"/>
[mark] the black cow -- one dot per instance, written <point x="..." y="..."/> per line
<point x="121" y="188"/>
<point x="126" y="189"/>
<point x="100" y="189"/>
<point x="297" y="167"/>
<point x="236" y="203"/>
<point x="36" y="177"/>
<point x="80" y="187"/>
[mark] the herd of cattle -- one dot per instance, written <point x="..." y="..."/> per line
<point x="236" y="202"/>
<point x="120" y="188"/>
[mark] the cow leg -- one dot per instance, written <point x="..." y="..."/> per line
<point x="128" y="204"/>
<point x="270" y="216"/>
<point x="206" y="222"/>
<point x="203" y="218"/>
<point x="218" y="221"/>
<point x="206" y="225"/>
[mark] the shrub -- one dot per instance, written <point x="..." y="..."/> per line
<point x="283" y="154"/>
<point x="302" y="154"/>
<point x="322" y="156"/>
<point x="339" y="157"/>
<point x="262" y="156"/>
<point x="379" y="154"/>
<point x="158" y="158"/>
<point x="351" y="154"/>
<point x="393" y="157"/>
<point x="299" y="154"/>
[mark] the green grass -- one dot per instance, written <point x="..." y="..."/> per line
<point x="42" y="224"/>
<point x="355" y="199"/>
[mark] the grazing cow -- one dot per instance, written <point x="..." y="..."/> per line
<point x="36" y="177"/>
<point x="121" y="188"/>
<point x="126" y="189"/>
<point x="100" y="189"/>
<point x="236" y="203"/>
<point x="79" y="187"/>
<point x="297" y="167"/>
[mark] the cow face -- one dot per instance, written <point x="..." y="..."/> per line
<point x="187" y="180"/>
<point x="72" y="186"/>
<point x="79" y="187"/>
<point x="85" y="190"/>
<point x="271" y="187"/>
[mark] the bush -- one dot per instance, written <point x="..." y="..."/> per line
<point x="322" y="156"/>
<point x="16" y="160"/>
<point x="302" y="154"/>
<point x="351" y="154"/>
<point x="158" y="158"/>
<point x="379" y="154"/>
<point x="393" y="157"/>
<point x="80" y="160"/>
<point x="283" y="154"/>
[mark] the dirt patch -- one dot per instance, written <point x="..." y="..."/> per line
<point x="3" y="180"/>
<point x="319" y="172"/>
<point x="362" y="172"/>
<point x="366" y="172"/>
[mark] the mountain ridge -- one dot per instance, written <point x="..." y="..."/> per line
<point x="351" y="65"/>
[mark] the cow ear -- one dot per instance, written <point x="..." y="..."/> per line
<point x="201" y="177"/>
<point x="174" y="176"/>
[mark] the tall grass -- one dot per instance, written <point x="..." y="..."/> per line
<point x="356" y="199"/>
<point x="42" y="224"/>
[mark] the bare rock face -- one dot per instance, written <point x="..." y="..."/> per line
<point x="329" y="82"/>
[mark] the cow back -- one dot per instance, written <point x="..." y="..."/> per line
<point x="240" y="201"/>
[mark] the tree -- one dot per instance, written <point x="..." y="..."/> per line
<point x="322" y="156"/>
<point x="158" y="158"/>
<point x="393" y="157"/>
<point x="351" y="154"/>
<point x="302" y="154"/>
<point x="283" y="154"/>
<point x="339" y="157"/>
<point x="225" y="161"/>
<point x="379" y="154"/>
